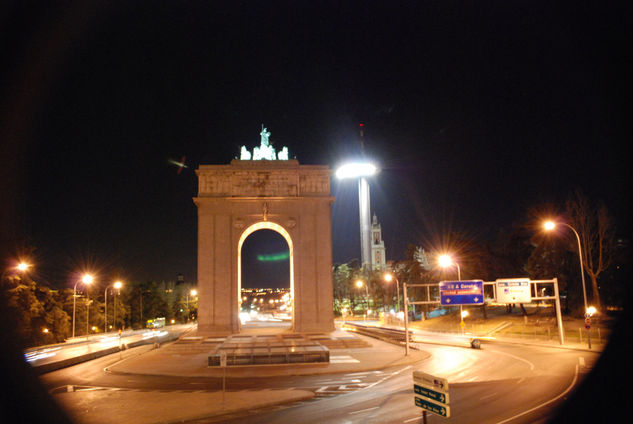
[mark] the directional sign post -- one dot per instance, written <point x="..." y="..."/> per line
<point x="427" y="405"/>
<point x="428" y="380"/>
<point x="465" y="292"/>
<point x="513" y="290"/>
<point x="431" y="394"/>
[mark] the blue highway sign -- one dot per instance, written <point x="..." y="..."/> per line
<point x="465" y="292"/>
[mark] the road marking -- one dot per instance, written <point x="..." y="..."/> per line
<point x="343" y="359"/>
<point x="567" y="390"/>
<point x="516" y="357"/>
<point x="390" y="375"/>
<point x="488" y="396"/>
<point x="364" y="410"/>
<point x="413" y="419"/>
<point x="335" y="382"/>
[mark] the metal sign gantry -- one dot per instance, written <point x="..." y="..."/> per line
<point x="536" y="285"/>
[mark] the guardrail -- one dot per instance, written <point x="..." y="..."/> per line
<point x="390" y="335"/>
<point x="67" y="362"/>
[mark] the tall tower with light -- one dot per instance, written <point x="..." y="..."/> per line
<point x="361" y="170"/>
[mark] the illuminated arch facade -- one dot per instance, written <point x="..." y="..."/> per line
<point x="238" y="199"/>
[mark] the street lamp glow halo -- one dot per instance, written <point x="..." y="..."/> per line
<point x="445" y="261"/>
<point x="356" y="170"/>
<point x="87" y="279"/>
<point x="549" y="225"/>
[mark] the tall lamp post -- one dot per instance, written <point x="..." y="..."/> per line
<point x="117" y="285"/>
<point x="388" y="278"/>
<point x="549" y="226"/>
<point x="361" y="170"/>
<point x="359" y="284"/>
<point x="87" y="279"/>
<point x="445" y="261"/>
<point x="193" y="293"/>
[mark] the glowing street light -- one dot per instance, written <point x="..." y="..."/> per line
<point x="86" y="279"/>
<point x="22" y="266"/>
<point x="359" y="284"/>
<point x="549" y="226"/>
<point x="193" y="293"/>
<point x="361" y="170"/>
<point x="356" y="170"/>
<point x="388" y="278"/>
<point x="117" y="285"/>
<point x="463" y="315"/>
<point x="445" y="261"/>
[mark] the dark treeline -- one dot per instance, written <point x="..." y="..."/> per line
<point x="40" y="315"/>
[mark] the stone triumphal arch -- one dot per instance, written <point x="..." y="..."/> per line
<point x="248" y="195"/>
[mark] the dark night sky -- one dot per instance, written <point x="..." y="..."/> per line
<point x="475" y="111"/>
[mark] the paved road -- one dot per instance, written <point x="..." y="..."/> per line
<point x="521" y="384"/>
<point x="496" y="385"/>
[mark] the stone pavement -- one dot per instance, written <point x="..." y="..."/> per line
<point x="109" y="406"/>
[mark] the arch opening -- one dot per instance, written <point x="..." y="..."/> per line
<point x="265" y="277"/>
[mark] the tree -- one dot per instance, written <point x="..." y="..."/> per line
<point x="341" y="278"/>
<point x="550" y="259"/>
<point x="595" y="229"/>
<point x="36" y="312"/>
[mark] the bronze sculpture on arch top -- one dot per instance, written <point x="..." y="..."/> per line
<point x="274" y="193"/>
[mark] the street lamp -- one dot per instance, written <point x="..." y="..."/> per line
<point x="361" y="170"/>
<point x="388" y="278"/>
<point x="549" y="226"/>
<point x="445" y="261"/>
<point x="463" y="314"/>
<point x="192" y="292"/>
<point x="22" y="266"/>
<point x="117" y="285"/>
<point x="87" y="279"/>
<point x="359" y="284"/>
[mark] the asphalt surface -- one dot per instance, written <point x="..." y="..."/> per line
<point x="502" y="382"/>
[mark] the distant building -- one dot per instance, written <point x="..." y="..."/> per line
<point x="378" y="254"/>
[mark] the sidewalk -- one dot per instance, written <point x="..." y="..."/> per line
<point x="168" y="362"/>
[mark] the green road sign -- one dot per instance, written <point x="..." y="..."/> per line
<point x="431" y="394"/>
<point x="441" y="410"/>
